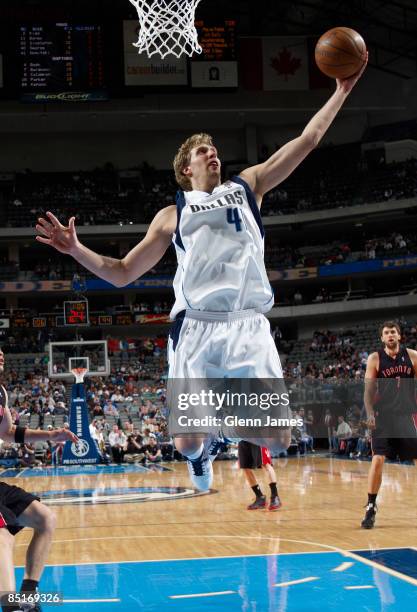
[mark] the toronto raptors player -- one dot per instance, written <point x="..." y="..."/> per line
<point x="390" y="404"/>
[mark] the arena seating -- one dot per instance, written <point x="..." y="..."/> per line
<point x="331" y="177"/>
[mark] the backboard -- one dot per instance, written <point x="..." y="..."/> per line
<point x="65" y="356"/>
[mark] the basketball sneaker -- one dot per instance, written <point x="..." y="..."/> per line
<point x="201" y="471"/>
<point x="275" y="503"/>
<point x="213" y="444"/>
<point x="369" y="520"/>
<point x="260" y="502"/>
<point x="29" y="607"/>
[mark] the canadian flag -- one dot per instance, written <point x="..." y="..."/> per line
<point x="276" y="63"/>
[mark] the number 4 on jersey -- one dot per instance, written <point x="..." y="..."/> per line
<point x="234" y="216"/>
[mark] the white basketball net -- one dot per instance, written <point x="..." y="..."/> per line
<point x="167" y="27"/>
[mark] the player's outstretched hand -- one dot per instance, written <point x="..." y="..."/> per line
<point x="52" y="232"/>
<point x="62" y="435"/>
<point x="346" y="85"/>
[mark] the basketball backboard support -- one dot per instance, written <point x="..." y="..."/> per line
<point x="64" y="357"/>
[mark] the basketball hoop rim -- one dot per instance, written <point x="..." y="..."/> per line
<point x="79" y="374"/>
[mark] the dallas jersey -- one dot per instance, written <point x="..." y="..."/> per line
<point x="219" y="241"/>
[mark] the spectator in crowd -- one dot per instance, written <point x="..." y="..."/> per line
<point x="305" y="441"/>
<point x="343" y="433"/>
<point x="134" y="450"/>
<point x="60" y="408"/>
<point x="110" y="409"/>
<point x="329" y="423"/>
<point x="166" y="443"/>
<point x="363" y="448"/>
<point x="152" y="450"/>
<point x="27" y="457"/>
<point x="117" y="441"/>
<point x="298" y="298"/>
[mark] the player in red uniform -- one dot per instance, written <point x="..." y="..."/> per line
<point x="252" y="457"/>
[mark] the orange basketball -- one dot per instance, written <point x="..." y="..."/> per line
<point x="340" y="53"/>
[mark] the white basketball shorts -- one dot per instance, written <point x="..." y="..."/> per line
<point x="223" y="345"/>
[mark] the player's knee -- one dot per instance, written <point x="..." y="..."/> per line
<point x="378" y="461"/>
<point x="187" y="446"/>
<point x="44" y="520"/>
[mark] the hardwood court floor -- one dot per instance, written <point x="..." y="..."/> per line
<point x="323" y="501"/>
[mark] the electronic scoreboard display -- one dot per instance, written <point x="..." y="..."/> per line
<point x="76" y="313"/>
<point x="218" y="41"/>
<point x="60" y="57"/>
<point x="216" y="66"/>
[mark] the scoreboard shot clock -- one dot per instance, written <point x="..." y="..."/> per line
<point x="76" y="313"/>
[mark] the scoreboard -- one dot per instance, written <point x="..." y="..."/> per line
<point x="217" y="41"/>
<point x="217" y="64"/>
<point x="76" y="313"/>
<point x="70" y="61"/>
<point x="60" y="57"/>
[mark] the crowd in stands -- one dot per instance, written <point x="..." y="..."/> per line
<point x="94" y="198"/>
<point x="331" y="177"/>
<point x="342" y="251"/>
<point x="388" y="132"/>
<point x="336" y="177"/>
<point x="279" y="255"/>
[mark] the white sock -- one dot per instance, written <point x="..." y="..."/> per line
<point x="195" y="455"/>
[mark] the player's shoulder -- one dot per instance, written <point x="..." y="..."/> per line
<point x="165" y="219"/>
<point x="412" y="353"/>
<point x="373" y="361"/>
<point x="168" y="211"/>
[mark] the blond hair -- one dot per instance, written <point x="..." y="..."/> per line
<point x="183" y="157"/>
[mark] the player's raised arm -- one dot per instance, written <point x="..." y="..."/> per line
<point x="118" y="272"/>
<point x="264" y="177"/>
<point x="371" y="375"/>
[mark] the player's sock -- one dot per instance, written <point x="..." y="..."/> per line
<point x="195" y="455"/>
<point x="274" y="490"/>
<point x="29" y="586"/>
<point x="372" y="498"/>
<point x="257" y="490"/>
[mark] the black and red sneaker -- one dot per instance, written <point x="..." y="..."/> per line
<point x="260" y="502"/>
<point x="275" y="503"/>
<point x="369" y="520"/>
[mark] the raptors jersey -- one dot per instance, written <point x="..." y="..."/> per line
<point x="396" y="384"/>
<point x="219" y="241"/>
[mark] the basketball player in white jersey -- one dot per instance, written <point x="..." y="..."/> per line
<point x="19" y="509"/>
<point x="221" y="285"/>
